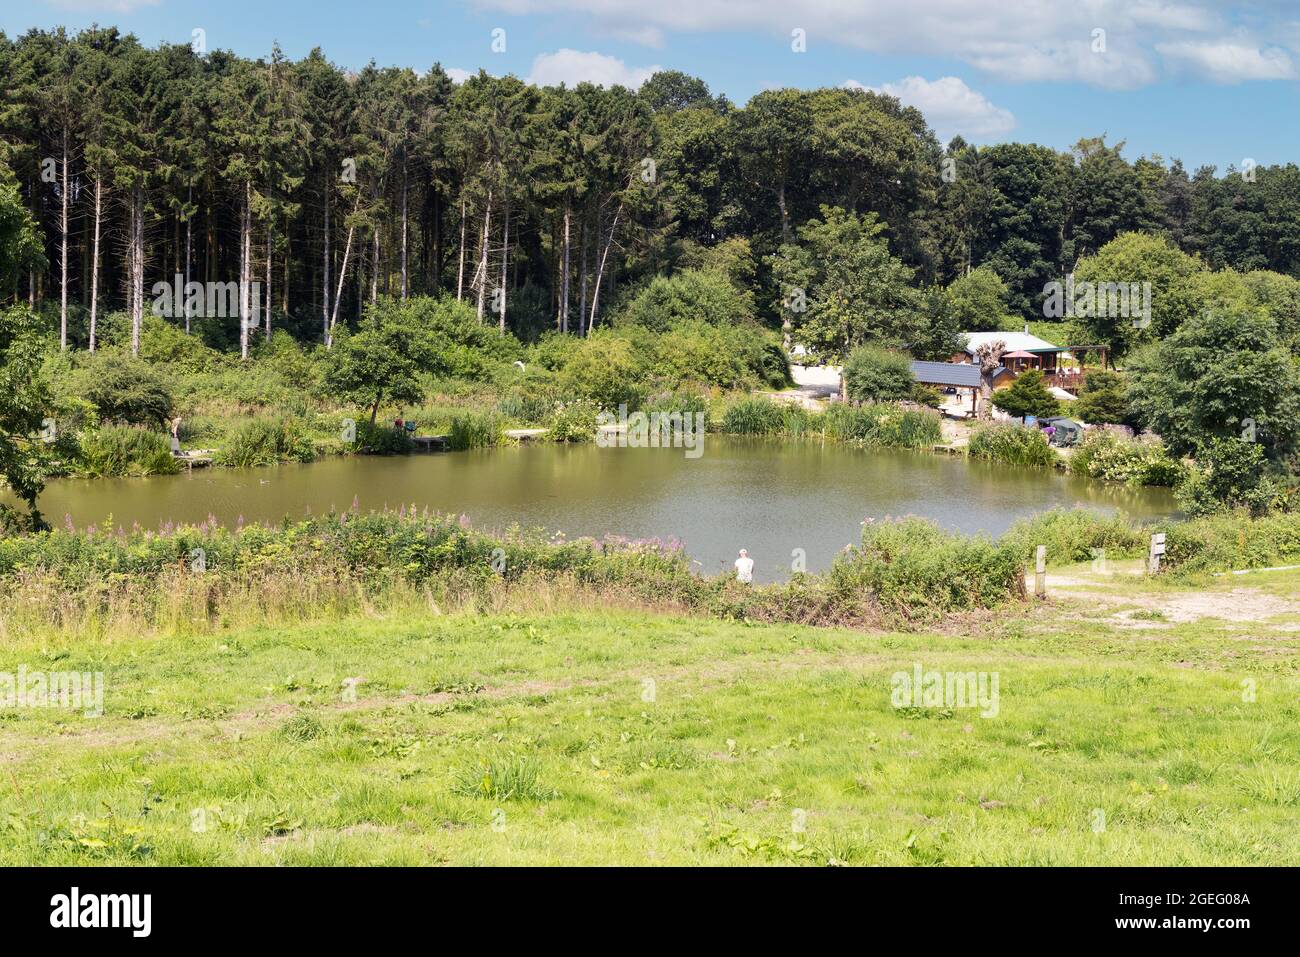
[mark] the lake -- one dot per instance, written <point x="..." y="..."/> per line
<point x="768" y="496"/>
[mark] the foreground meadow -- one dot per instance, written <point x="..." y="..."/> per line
<point x="1137" y="723"/>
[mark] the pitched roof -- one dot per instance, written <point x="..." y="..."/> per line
<point x="1015" y="342"/>
<point x="961" y="374"/>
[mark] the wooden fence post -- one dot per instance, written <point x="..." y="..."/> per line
<point x="1157" y="549"/>
<point x="1040" y="572"/>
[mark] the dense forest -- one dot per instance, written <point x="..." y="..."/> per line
<point x="545" y="208"/>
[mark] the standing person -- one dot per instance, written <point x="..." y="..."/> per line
<point x="745" y="568"/>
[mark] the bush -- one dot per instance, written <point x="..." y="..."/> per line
<point x="125" y="390"/>
<point x="124" y="450"/>
<point x="603" y="370"/>
<point x="382" y="440"/>
<point x="689" y="296"/>
<point x="1027" y="395"/>
<point x="1103" y="400"/>
<point x="1229" y="474"/>
<point x="575" y="422"/>
<point x="1012" y="444"/>
<point x="1104" y="455"/>
<point x="1072" y="535"/>
<point x="873" y="374"/>
<point x="267" y="441"/>
<point x="1231" y="540"/>
<point x="912" y="567"/>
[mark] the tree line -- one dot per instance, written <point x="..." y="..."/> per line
<point x="320" y="190"/>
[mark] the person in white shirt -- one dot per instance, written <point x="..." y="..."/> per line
<point x="745" y="568"/>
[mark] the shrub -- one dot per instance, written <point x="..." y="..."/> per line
<point x="873" y="374"/>
<point x="124" y="450"/>
<point x="382" y="440"/>
<point x="1229" y="474"/>
<point x="1102" y="400"/>
<point x="266" y="441"/>
<point x="1012" y="444"/>
<point x="1027" y="395"/>
<point x="1104" y="455"/>
<point x="603" y="370"/>
<point x="1230" y="540"/>
<point x="912" y="567"/>
<point x="125" y="390"/>
<point x="575" y="422"/>
<point x="689" y="296"/>
<point x="1071" y="535"/>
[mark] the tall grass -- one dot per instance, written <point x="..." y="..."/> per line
<point x="124" y="450"/>
<point x="1012" y="444"/>
<point x="473" y="429"/>
<point x="266" y="441"/>
<point x="872" y="424"/>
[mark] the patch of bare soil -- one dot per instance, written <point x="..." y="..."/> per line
<point x="1237" y="605"/>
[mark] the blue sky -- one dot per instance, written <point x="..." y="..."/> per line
<point x="1211" y="83"/>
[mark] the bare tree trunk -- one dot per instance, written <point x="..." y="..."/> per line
<point x="270" y="252"/>
<point x="404" y="191"/>
<point x="137" y="267"/>
<point x="460" y="272"/>
<point x="374" y="267"/>
<point x="245" y="266"/>
<point x="564" y="279"/>
<point x="189" y="235"/>
<point x="343" y="272"/>
<point x="63" y="255"/>
<point x="600" y="270"/>
<point x="325" y="309"/>
<point x="505" y="253"/>
<point x="483" y="255"/>
<point x="582" y="312"/>
<point x="94" y="267"/>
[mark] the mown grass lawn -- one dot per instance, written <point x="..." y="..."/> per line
<point x="626" y="738"/>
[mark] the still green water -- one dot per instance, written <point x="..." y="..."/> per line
<point x="770" y="497"/>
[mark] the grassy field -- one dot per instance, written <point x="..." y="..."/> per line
<point x="1136" y="724"/>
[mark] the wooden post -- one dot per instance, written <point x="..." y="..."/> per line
<point x="1157" y="549"/>
<point x="1040" y="572"/>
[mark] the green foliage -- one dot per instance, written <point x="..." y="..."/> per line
<point x="754" y="416"/>
<point x="382" y="439"/>
<point x="979" y="301"/>
<point x="1027" y="395"/>
<point x="1232" y="540"/>
<point x="1229" y="474"/>
<point x="841" y="288"/>
<point x="691" y="296"/>
<point x="1076" y="535"/>
<point x="604" y="369"/>
<point x="1012" y="444"/>
<point x="873" y="374"/>
<point x="383" y="360"/>
<point x="883" y="425"/>
<point x="1137" y="258"/>
<point x="913" y="568"/>
<point x="267" y="440"/>
<point x="575" y="422"/>
<point x="124" y="389"/>
<point x="1102" y="400"/>
<point x="1223" y="374"/>
<point x="1107" y="456"/>
<point x="124" y="450"/>
<point x="25" y="402"/>
<point x="474" y="429"/>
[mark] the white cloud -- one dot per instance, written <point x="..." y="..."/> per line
<point x="575" y="66"/>
<point x="950" y="106"/>
<point x="1029" y="40"/>
<point x="458" y="75"/>
<point x="1229" y="62"/>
